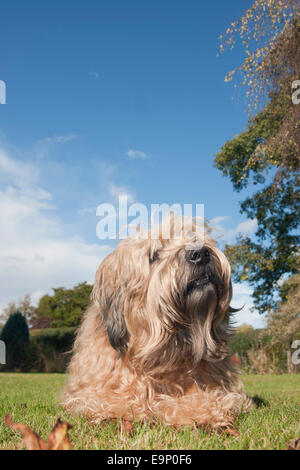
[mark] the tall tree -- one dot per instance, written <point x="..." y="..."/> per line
<point x="24" y="306"/>
<point x="267" y="154"/>
<point x="15" y="335"/>
<point x="65" y="307"/>
<point x="283" y="324"/>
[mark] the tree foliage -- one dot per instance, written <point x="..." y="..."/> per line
<point x="267" y="154"/>
<point x="245" y="338"/>
<point x="65" y="307"/>
<point x="24" y="306"/>
<point x="275" y="251"/>
<point x="268" y="32"/>
<point x="15" y="335"/>
<point x="284" y="323"/>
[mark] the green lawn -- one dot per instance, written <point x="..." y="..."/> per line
<point x="32" y="399"/>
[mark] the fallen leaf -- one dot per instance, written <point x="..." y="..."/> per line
<point x="57" y="440"/>
<point x="31" y="440"/>
<point x="294" y="445"/>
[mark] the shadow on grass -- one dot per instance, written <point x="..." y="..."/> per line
<point x="259" y="402"/>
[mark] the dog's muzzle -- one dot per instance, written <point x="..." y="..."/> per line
<point x="200" y="260"/>
<point x="198" y="283"/>
<point x="198" y="256"/>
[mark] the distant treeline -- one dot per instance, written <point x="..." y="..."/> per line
<point x="48" y="350"/>
<point x="40" y="338"/>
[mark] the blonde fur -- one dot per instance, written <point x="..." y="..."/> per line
<point x="153" y="346"/>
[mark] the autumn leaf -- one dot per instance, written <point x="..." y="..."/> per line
<point x="31" y="440"/>
<point x="57" y="440"/>
<point x="294" y="445"/>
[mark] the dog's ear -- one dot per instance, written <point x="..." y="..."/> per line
<point x="116" y="328"/>
<point x="111" y="302"/>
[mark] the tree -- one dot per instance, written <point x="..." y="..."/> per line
<point x="65" y="307"/>
<point x="24" y="306"/>
<point x="284" y="323"/>
<point x="9" y="310"/>
<point x="268" y="152"/>
<point x="245" y="338"/>
<point x="269" y="33"/>
<point x="15" y="335"/>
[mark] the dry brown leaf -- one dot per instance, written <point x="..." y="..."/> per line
<point x="294" y="445"/>
<point x="57" y="440"/>
<point x="31" y="440"/>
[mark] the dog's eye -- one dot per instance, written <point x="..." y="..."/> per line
<point x="154" y="257"/>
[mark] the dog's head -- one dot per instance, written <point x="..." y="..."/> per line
<point x="164" y="299"/>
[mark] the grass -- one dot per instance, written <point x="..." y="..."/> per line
<point x="32" y="400"/>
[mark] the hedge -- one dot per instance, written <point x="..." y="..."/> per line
<point x="50" y="349"/>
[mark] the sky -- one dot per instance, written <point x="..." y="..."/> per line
<point x="105" y="98"/>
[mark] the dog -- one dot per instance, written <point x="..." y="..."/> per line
<point x="153" y="343"/>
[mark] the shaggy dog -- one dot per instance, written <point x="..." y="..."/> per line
<point x="153" y="343"/>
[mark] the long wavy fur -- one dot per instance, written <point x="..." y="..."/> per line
<point x="153" y="344"/>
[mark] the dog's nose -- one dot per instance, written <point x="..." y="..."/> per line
<point x="199" y="256"/>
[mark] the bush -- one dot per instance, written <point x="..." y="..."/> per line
<point x="50" y="349"/>
<point x="244" y="339"/>
<point x="60" y="339"/>
<point x="256" y="352"/>
<point x="15" y="335"/>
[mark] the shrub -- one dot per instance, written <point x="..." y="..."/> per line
<point x="15" y="335"/>
<point x="51" y="349"/>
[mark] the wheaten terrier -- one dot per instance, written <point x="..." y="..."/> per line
<point x="153" y="343"/>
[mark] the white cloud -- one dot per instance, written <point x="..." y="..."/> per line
<point x="133" y="154"/>
<point x="247" y="227"/>
<point x="35" y="254"/>
<point x="220" y="231"/>
<point x="242" y="298"/>
<point x="120" y="191"/>
<point x="18" y="173"/>
<point x="219" y="219"/>
<point x="87" y="211"/>
<point x="43" y="146"/>
<point x="94" y="74"/>
<point x="35" y="297"/>
<point x="59" y="139"/>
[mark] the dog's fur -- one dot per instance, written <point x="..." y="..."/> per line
<point x="153" y="344"/>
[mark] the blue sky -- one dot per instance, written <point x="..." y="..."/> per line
<point x="90" y="85"/>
